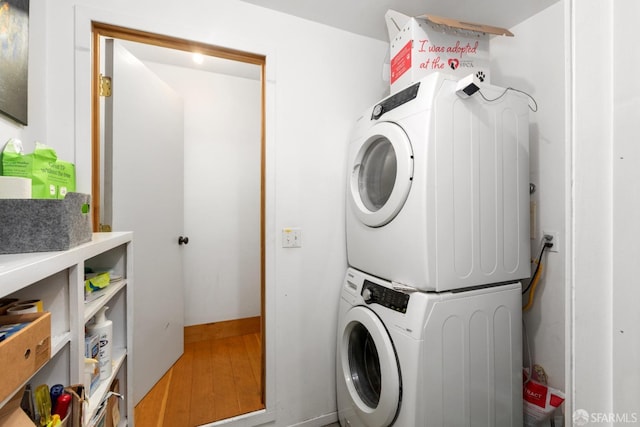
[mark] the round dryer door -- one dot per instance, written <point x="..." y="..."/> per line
<point x="369" y="367"/>
<point x="381" y="174"/>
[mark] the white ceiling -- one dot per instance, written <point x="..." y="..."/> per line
<point x="366" y="17"/>
<point x="178" y="58"/>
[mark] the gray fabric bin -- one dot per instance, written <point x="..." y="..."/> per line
<point x="43" y="225"/>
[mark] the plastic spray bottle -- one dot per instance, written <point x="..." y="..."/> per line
<point x="103" y="328"/>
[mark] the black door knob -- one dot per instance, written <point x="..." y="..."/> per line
<point x="183" y="240"/>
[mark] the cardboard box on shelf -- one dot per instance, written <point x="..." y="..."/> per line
<point x="12" y="415"/>
<point x="113" y="409"/>
<point x="24" y="352"/>
<point x="424" y="44"/>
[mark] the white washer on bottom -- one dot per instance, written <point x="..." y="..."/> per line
<point x="428" y="359"/>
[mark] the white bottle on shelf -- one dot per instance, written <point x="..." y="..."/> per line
<point x="103" y="328"/>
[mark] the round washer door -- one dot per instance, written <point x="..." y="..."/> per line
<point x="369" y="367"/>
<point x="381" y="174"/>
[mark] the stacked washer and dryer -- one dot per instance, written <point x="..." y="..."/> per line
<point x="429" y="327"/>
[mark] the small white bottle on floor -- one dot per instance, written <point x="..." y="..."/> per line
<point x="103" y="328"/>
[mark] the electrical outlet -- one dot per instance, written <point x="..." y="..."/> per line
<point x="291" y="238"/>
<point x="555" y="239"/>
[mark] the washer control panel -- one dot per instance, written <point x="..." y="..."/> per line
<point x="394" y="300"/>
<point x="395" y="101"/>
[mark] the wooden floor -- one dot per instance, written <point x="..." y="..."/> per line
<point x="217" y="377"/>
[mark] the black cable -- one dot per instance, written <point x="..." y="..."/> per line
<point x="515" y="90"/>
<point x="533" y="278"/>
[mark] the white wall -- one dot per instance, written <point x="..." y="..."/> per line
<point x="596" y="193"/>
<point x="222" y="193"/>
<point x="626" y="210"/>
<point x="591" y="214"/>
<point x="534" y="61"/>
<point x="316" y="89"/>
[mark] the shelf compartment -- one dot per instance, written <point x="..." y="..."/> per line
<point x="57" y="279"/>
<point x="91" y="308"/>
<point x="118" y="357"/>
<point x="20" y="270"/>
<point x="58" y="342"/>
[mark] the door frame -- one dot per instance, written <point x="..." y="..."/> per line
<point x="98" y="30"/>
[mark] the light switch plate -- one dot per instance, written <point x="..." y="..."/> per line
<point x="291" y="238"/>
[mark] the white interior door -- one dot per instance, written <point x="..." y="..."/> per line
<point x="144" y="147"/>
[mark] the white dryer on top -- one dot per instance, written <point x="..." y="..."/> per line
<point x="438" y="191"/>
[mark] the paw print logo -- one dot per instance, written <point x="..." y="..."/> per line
<point x="480" y="75"/>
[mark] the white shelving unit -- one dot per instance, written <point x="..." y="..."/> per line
<point x="57" y="278"/>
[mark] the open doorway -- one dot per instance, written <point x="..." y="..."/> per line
<point x="101" y="32"/>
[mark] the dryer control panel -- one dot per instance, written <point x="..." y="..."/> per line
<point x="392" y="299"/>
<point x="395" y="101"/>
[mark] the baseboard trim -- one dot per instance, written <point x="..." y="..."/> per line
<point x="224" y="329"/>
<point x="320" y="421"/>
